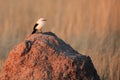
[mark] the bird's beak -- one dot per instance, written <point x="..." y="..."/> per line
<point x="44" y="20"/>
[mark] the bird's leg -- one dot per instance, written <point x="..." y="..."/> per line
<point x="40" y="30"/>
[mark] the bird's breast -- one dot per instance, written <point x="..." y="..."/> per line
<point x="39" y="27"/>
<point x="43" y="24"/>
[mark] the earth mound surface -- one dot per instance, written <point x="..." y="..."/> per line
<point x="44" y="56"/>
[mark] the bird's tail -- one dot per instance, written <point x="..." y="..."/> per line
<point x="34" y="31"/>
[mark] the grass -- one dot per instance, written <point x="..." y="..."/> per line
<point x="89" y="26"/>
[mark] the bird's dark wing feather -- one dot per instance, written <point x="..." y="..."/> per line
<point x="35" y="26"/>
<point x="34" y="30"/>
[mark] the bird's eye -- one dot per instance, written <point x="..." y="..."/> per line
<point x="44" y="20"/>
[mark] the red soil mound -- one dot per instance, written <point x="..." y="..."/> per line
<point x="44" y="56"/>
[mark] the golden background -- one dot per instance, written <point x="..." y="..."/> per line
<point x="92" y="27"/>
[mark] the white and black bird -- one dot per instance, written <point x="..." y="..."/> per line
<point x="38" y="25"/>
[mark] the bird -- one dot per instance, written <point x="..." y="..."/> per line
<point x="38" y="25"/>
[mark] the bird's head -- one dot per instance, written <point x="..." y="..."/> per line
<point x="41" y="22"/>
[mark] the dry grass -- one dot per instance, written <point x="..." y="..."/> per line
<point x="1" y="63"/>
<point x="90" y="26"/>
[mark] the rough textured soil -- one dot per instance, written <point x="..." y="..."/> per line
<point x="44" y="56"/>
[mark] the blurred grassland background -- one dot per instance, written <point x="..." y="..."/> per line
<point x="92" y="27"/>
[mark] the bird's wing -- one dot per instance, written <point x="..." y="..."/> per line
<point x="35" y="26"/>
